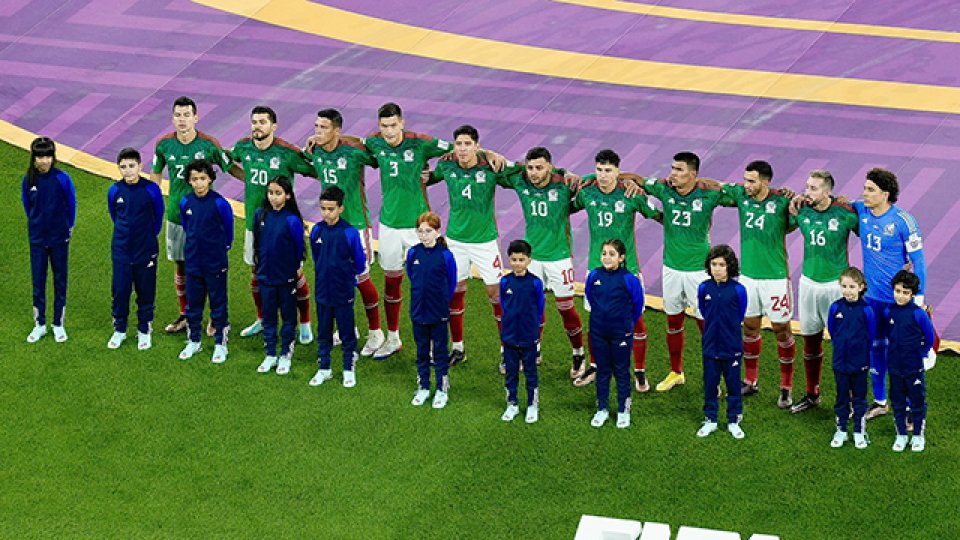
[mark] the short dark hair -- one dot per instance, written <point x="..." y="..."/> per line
<point x="762" y="168"/>
<point x="907" y="279"/>
<point x="333" y="193"/>
<point x="824" y="175"/>
<point x="467" y="130"/>
<point x="538" y="152"/>
<point x="184" y="101"/>
<point x="263" y="109"/>
<point x="200" y="166"/>
<point x="129" y="153"/>
<point x="607" y="156"/>
<point x="725" y="252"/>
<point x="333" y="116"/>
<point x="389" y="109"/>
<point x="886" y="181"/>
<point x="519" y="246"/>
<point x="692" y="160"/>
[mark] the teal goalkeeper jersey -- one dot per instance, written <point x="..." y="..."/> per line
<point x="686" y="222"/>
<point x="763" y="233"/>
<point x="175" y="156"/>
<point x="344" y="167"/>
<point x="546" y="211"/>
<point x="404" y="195"/>
<point x="825" y="236"/>
<point x="471" y="193"/>
<point x="260" y="166"/>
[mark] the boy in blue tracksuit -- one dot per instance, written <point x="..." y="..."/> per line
<point x="208" y="225"/>
<point x="723" y="303"/>
<point x="433" y="279"/>
<point x="852" y="323"/>
<point x="50" y="202"/>
<point x="136" y="208"/>
<point x="278" y="253"/>
<point x="616" y="300"/>
<point x="522" y="300"/>
<point x="339" y="258"/>
<point x="911" y="337"/>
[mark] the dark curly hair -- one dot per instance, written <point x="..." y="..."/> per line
<point x="726" y="253"/>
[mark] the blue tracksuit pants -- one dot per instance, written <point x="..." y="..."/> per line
<point x="513" y="356"/>
<point x="729" y="370"/>
<point x="127" y="278"/>
<point x="611" y="352"/>
<point x="199" y="287"/>
<point x="851" y="391"/>
<point x="56" y="256"/>
<point x="343" y="314"/>
<point x="282" y="298"/>
<point x="914" y="388"/>
<point x="432" y="336"/>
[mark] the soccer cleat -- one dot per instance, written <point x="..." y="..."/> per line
<point x="510" y="413"/>
<point x="440" y="399"/>
<point x="192" y="348"/>
<point x="876" y="410"/>
<point x="623" y="420"/>
<point x="784" y="401"/>
<point x="588" y="377"/>
<point x="389" y="348"/>
<point x="219" y="354"/>
<point x="59" y="333"/>
<point x="917" y="443"/>
<point x="283" y="363"/>
<point x="457" y="357"/>
<point x="211" y="331"/>
<point x="672" y="379"/>
<point x="749" y="389"/>
<point x="37" y="333"/>
<point x="306" y="333"/>
<point x="707" y="428"/>
<point x="144" y="341"/>
<point x="900" y="443"/>
<point x="375" y="340"/>
<point x="267" y="365"/>
<point x="735" y="430"/>
<point x="320" y="376"/>
<point x="255" y="328"/>
<point x="600" y="418"/>
<point x="839" y="438"/>
<point x="640" y="381"/>
<point x="577" y="370"/>
<point x="808" y="401"/>
<point x="533" y="414"/>
<point x="349" y="379"/>
<point x="178" y="325"/>
<point x="860" y="440"/>
<point x="116" y="340"/>
<point x="420" y="397"/>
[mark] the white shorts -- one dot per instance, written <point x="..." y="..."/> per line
<point x="770" y="297"/>
<point x="814" y="303"/>
<point x="680" y="290"/>
<point x="586" y="303"/>
<point x="394" y="244"/>
<point x="485" y="256"/>
<point x="176" y="238"/>
<point x="366" y="240"/>
<point x="248" y="247"/>
<point x="557" y="276"/>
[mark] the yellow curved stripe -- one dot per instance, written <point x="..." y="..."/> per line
<point x="318" y="19"/>
<point x="769" y="22"/>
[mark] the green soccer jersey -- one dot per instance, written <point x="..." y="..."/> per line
<point x="175" y="156"/>
<point x="471" y="193"/>
<point x="686" y="222"/>
<point x="825" y="237"/>
<point x="763" y="232"/>
<point x="404" y="195"/>
<point x="611" y="215"/>
<point x="546" y="211"/>
<point x="344" y="167"/>
<point x="260" y="166"/>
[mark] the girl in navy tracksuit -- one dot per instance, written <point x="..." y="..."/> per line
<point x="911" y="336"/>
<point x="723" y="303"/>
<point x="339" y="257"/>
<point x="50" y="202"/>
<point x="208" y="224"/>
<point x="852" y="324"/>
<point x="433" y="278"/>
<point x="136" y="208"/>
<point x="616" y="301"/>
<point x="278" y="252"/>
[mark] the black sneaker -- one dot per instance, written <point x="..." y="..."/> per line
<point x="640" y="381"/>
<point x="808" y="401"/>
<point x="785" y="400"/>
<point x="576" y="371"/>
<point x="457" y="357"/>
<point x="588" y="377"/>
<point x="747" y="389"/>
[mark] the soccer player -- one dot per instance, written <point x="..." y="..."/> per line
<point x="826" y="226"/>
<point x="339" y="160"/>
<point x="611" y="214"/>
<point x="764" y="223"/>
<point x="174" y="151"/>
<point x="264" y="156"/>
<point x="688" y="205"/>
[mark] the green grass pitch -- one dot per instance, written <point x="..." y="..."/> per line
<point x="106" y="444"/>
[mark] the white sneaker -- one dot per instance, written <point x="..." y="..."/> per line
<point x="375" y="340"/>
<point x="420" y="397"/>
<point x="600" y="418"/>
<point x="839" y="438"/>
<point x="440" y="399"/>
<point x="389" y="348"/>
<point x="860" y="440"/>
<point x="37" y="333"/>
<point x="707" y="428"/>
<point x="623" y="420"/>
<point x="253" y="329"/>
<point x="306" y="333"/>
<point x="320" y="376"/>
<point x="144" y="341"/>
<point x="192" y="348"/>
<point x="59" y="334"/>
<point x="283" y="363"/>
<point x="510" y="413"/>
<point x="116" y="340"/>
<point x="918" y="443"/>
<point x="533" y="414"/>
<point x="219" y="354"/>
<point x="735" y="430"/>
<point x="349" y="379"/>
<point x="900" y="443"/>
<point x="267" y="365"/>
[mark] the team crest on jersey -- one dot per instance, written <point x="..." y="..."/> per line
<point x="833" y="224"/>
<point x="199" y="155"/>
<point x="552" y="196"/>
<point x="771" y="207"/>
<point x="697" y="205"/>
<point x="274" y="162"/>
<point x="408" y="155"/>
<point x="481" y="177"/>
<point x="619" y="207"/>
<point x="342" y="163"/>
<point x="890" y="229"/>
